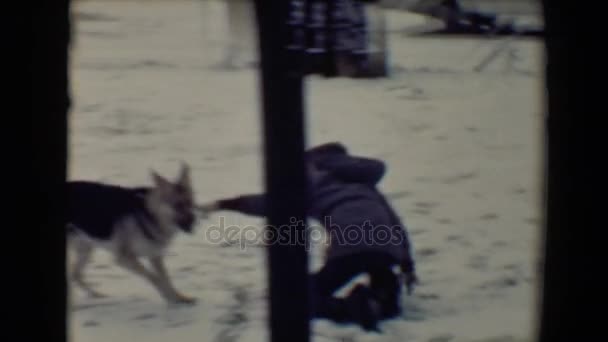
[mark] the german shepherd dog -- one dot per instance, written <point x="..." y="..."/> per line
<point x="130" y="223"/>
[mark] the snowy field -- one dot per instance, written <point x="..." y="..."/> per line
<point x="463" y="150"/>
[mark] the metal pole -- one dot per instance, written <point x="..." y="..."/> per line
<point x="285" y="177"/>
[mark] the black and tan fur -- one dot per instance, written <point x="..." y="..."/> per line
<point x="132" y="224"/>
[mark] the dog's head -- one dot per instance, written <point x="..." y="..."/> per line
<point x="173" y="202"/>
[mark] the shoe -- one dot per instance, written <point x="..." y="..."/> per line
<point x="390" y="308"/>
<point x="363" y="308"/>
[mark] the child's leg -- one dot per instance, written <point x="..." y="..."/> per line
<point x="323" y="285"/>
<point x="386" y="288"/>
<point x="359" y="307"/>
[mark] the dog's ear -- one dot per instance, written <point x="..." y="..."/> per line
<point x="184" y="175"/>
<point x="160" y="182"/>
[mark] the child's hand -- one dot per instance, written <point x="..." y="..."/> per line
<point x="411" y="280"/>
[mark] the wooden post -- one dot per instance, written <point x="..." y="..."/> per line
<point x="283" y="122"/>
<point x="50" y="103"/>
<point x="565" y="225"/>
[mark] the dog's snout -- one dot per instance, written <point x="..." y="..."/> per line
<point x="186" y="221"/>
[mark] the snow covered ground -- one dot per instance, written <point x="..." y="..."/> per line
<point x="463" y="150"/>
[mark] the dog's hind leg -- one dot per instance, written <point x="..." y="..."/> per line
<point x="132" y="264"/>
<point x="84" y="251"/>
<point x="159" y="267"/>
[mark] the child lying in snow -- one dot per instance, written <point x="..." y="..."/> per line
<point x="343" y="197"/>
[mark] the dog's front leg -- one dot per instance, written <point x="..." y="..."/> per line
<point x="132" y="264"/>
<point x="159" y="267"/>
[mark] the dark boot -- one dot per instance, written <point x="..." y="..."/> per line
<point x="363" y="308"/>
<point x="389" y="302"/>
<point x="334" y="309"/>
<point x="386" y="288"/>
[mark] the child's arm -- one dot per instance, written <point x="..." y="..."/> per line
<point x="355" y="169"/>
<point x="247" y="204"/>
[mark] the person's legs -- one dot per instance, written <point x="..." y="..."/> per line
<point x="367" y="305"/>
<point x="386" y="288"/>
<point x="333" y="275"/>
<point x="358" y="306"/>
<point x="363" y="308"/>
<point x="385" y="285"/>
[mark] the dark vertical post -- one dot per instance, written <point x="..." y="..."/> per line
<point x="573" y="248"/>
<point x="553" y="290"/>
<point x="50" y="104"/>
<point x="282" y="104"/>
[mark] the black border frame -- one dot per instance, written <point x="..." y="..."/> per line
<point x="44" y="311"/>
